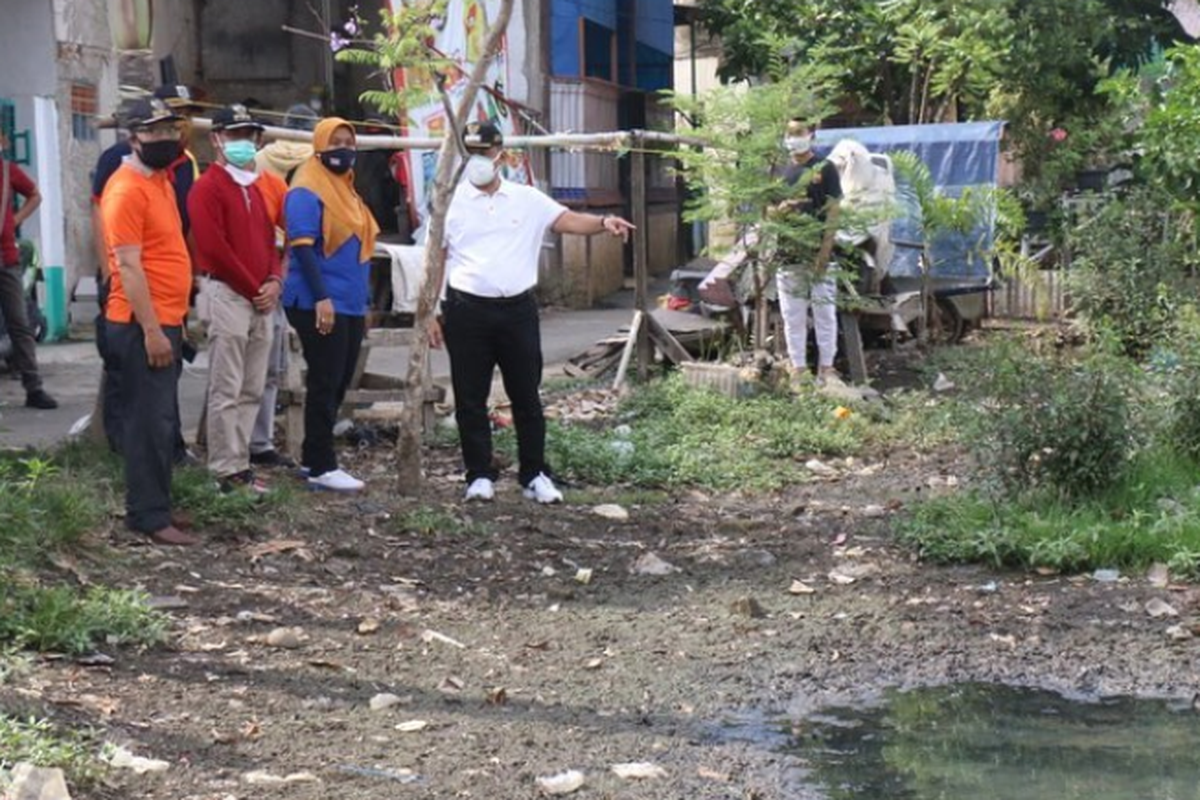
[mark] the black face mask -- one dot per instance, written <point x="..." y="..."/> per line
<point x="158" y="155"/>
<point x="339" y="161"/>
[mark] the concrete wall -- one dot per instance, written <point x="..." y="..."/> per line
<point x="85" y="55"/>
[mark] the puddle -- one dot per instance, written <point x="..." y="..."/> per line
<point x="991" y="742"/>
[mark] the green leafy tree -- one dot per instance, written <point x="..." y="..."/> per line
<point x="738" y="179"/>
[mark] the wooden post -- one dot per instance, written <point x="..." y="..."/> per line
<point x="641" y="251"/>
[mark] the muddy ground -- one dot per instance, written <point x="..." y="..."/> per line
<point x="518" y="670"/>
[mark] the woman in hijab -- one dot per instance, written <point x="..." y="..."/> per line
<point x="331" y="235"/>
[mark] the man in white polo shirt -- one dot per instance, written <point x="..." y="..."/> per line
<point x="494" y="233"/>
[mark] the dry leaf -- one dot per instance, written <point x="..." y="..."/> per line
<point x="800" y="587"/>
<point x="497" y="696"/>
<point x="1158" y="608"/>
<point x="251" y="729"/>
<point x="274" y="547"/>
<point x="713" y="775"/>
<point x="451" y="685"/>
<point x="368" y="626"/>
<point x="594" y="663"/>
<point x="434" y="636"/>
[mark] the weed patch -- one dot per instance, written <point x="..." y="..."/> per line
<point x="1151" y="515"/>
<point x="194" y="490"/>
<point x="672" y="435"/>
<point x="60" y="619"/>
<point x="433" y="521"/>
<point x="39" y="742"/>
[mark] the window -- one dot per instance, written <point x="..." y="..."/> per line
<point x="83" y="112"/>
<point x="599" y="44"/>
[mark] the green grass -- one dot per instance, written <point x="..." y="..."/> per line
<point x="48" y="506"/>
<point x="433" y="521"/>
<point x="688" y="437"/>
<point x="195" y="491"/>
<point x="61" y="619"/>
<point x="39" y="742"/>
<point x="1152" y="515"/>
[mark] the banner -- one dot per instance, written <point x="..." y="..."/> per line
<point x="461" y="40"/>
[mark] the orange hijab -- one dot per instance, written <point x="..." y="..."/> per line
<point x="344" y="214"/>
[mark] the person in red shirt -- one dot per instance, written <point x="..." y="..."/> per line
<point x="14" y="182"/>
<point x="233" y="235"/>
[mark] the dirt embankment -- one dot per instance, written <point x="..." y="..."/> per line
<point x="504" y="665"/>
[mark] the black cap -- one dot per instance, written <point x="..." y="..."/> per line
<point x="177" y="96"/>
<point x="486" y="136"/>
<point x="148" y="111"/>
<point x="235" y="118"/>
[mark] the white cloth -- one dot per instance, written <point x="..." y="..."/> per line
<point x="493" y="241"/>
<point x="408" y="265"/>
<point x="793" y="307"/>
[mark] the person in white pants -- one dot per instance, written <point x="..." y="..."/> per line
<point x="797" y="292"/>
<point x="801" y="280"/>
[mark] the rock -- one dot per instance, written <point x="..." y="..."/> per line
<point x="563" y="783"/>
<point x="639" y="771"/>
<point x="412" y="726"/>
<point x="942" y="384"/>
<point x="384" y="701"/>
<point x="800" y="587"/>
<point x="368" y="626"/>
<point x="287" y="638"/>
<point x="856" y="571"/>
<point x="1106" y="575"/>
<point x="120" y="758"/>
<point x="874" y="512"/>
<point x="37" y="783"/>
<point x="611" y="511"/>
<point x="820" y="469"/>
<point x="651" y="564"/>
<point x="583" y="575"/>
<point x="748" y="607"/>
<point x="1158" y="575"/>
<point x="1178" y="633"/>
<point x="261" y="778"/>
<point x="1157" y="608"/>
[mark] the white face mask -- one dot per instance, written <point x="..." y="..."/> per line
<point x="798" y="144"/>
<point x="481" y="171"/>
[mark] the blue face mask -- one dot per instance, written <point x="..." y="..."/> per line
<point x="240" y="152"/>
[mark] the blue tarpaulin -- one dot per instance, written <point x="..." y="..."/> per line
<point x="958" y="155"/>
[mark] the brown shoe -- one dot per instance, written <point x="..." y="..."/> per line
<point x="173" y="536"/>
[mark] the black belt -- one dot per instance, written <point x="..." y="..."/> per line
<point x="467" y="297"/>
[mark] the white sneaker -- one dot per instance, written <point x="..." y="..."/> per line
<point x="336" y="481"/>
<point x="543" y="490"/>
<point x="481" y="489"/>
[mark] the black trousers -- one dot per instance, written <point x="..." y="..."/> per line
<point x="330" y="359"/>
<point x="16" y="319"/>
<point x="149" y="403"/>
<point x="482" y="334"/>
<point x="110" y="383"/>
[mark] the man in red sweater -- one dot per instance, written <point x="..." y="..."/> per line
<point x="234" y="239"/>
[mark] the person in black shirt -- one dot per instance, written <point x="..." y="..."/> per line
<point x="802" y="275"/>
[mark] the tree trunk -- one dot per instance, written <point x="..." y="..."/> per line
<point x="410" y="474"/>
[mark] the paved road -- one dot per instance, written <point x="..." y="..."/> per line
<point x="71" y="371"/>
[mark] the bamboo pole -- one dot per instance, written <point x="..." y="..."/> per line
<point x="641" y="252"/>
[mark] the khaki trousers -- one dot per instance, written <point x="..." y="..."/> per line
<point x="239" y="344"/>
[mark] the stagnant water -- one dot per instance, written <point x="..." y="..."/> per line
<point x="987" y="742"/>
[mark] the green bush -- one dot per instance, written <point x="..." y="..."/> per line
<point x="1053" y="422"/>
<point x="1150" y="515"/>
<point x="1129" y="270"/>
<point x="39" y="742"/>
